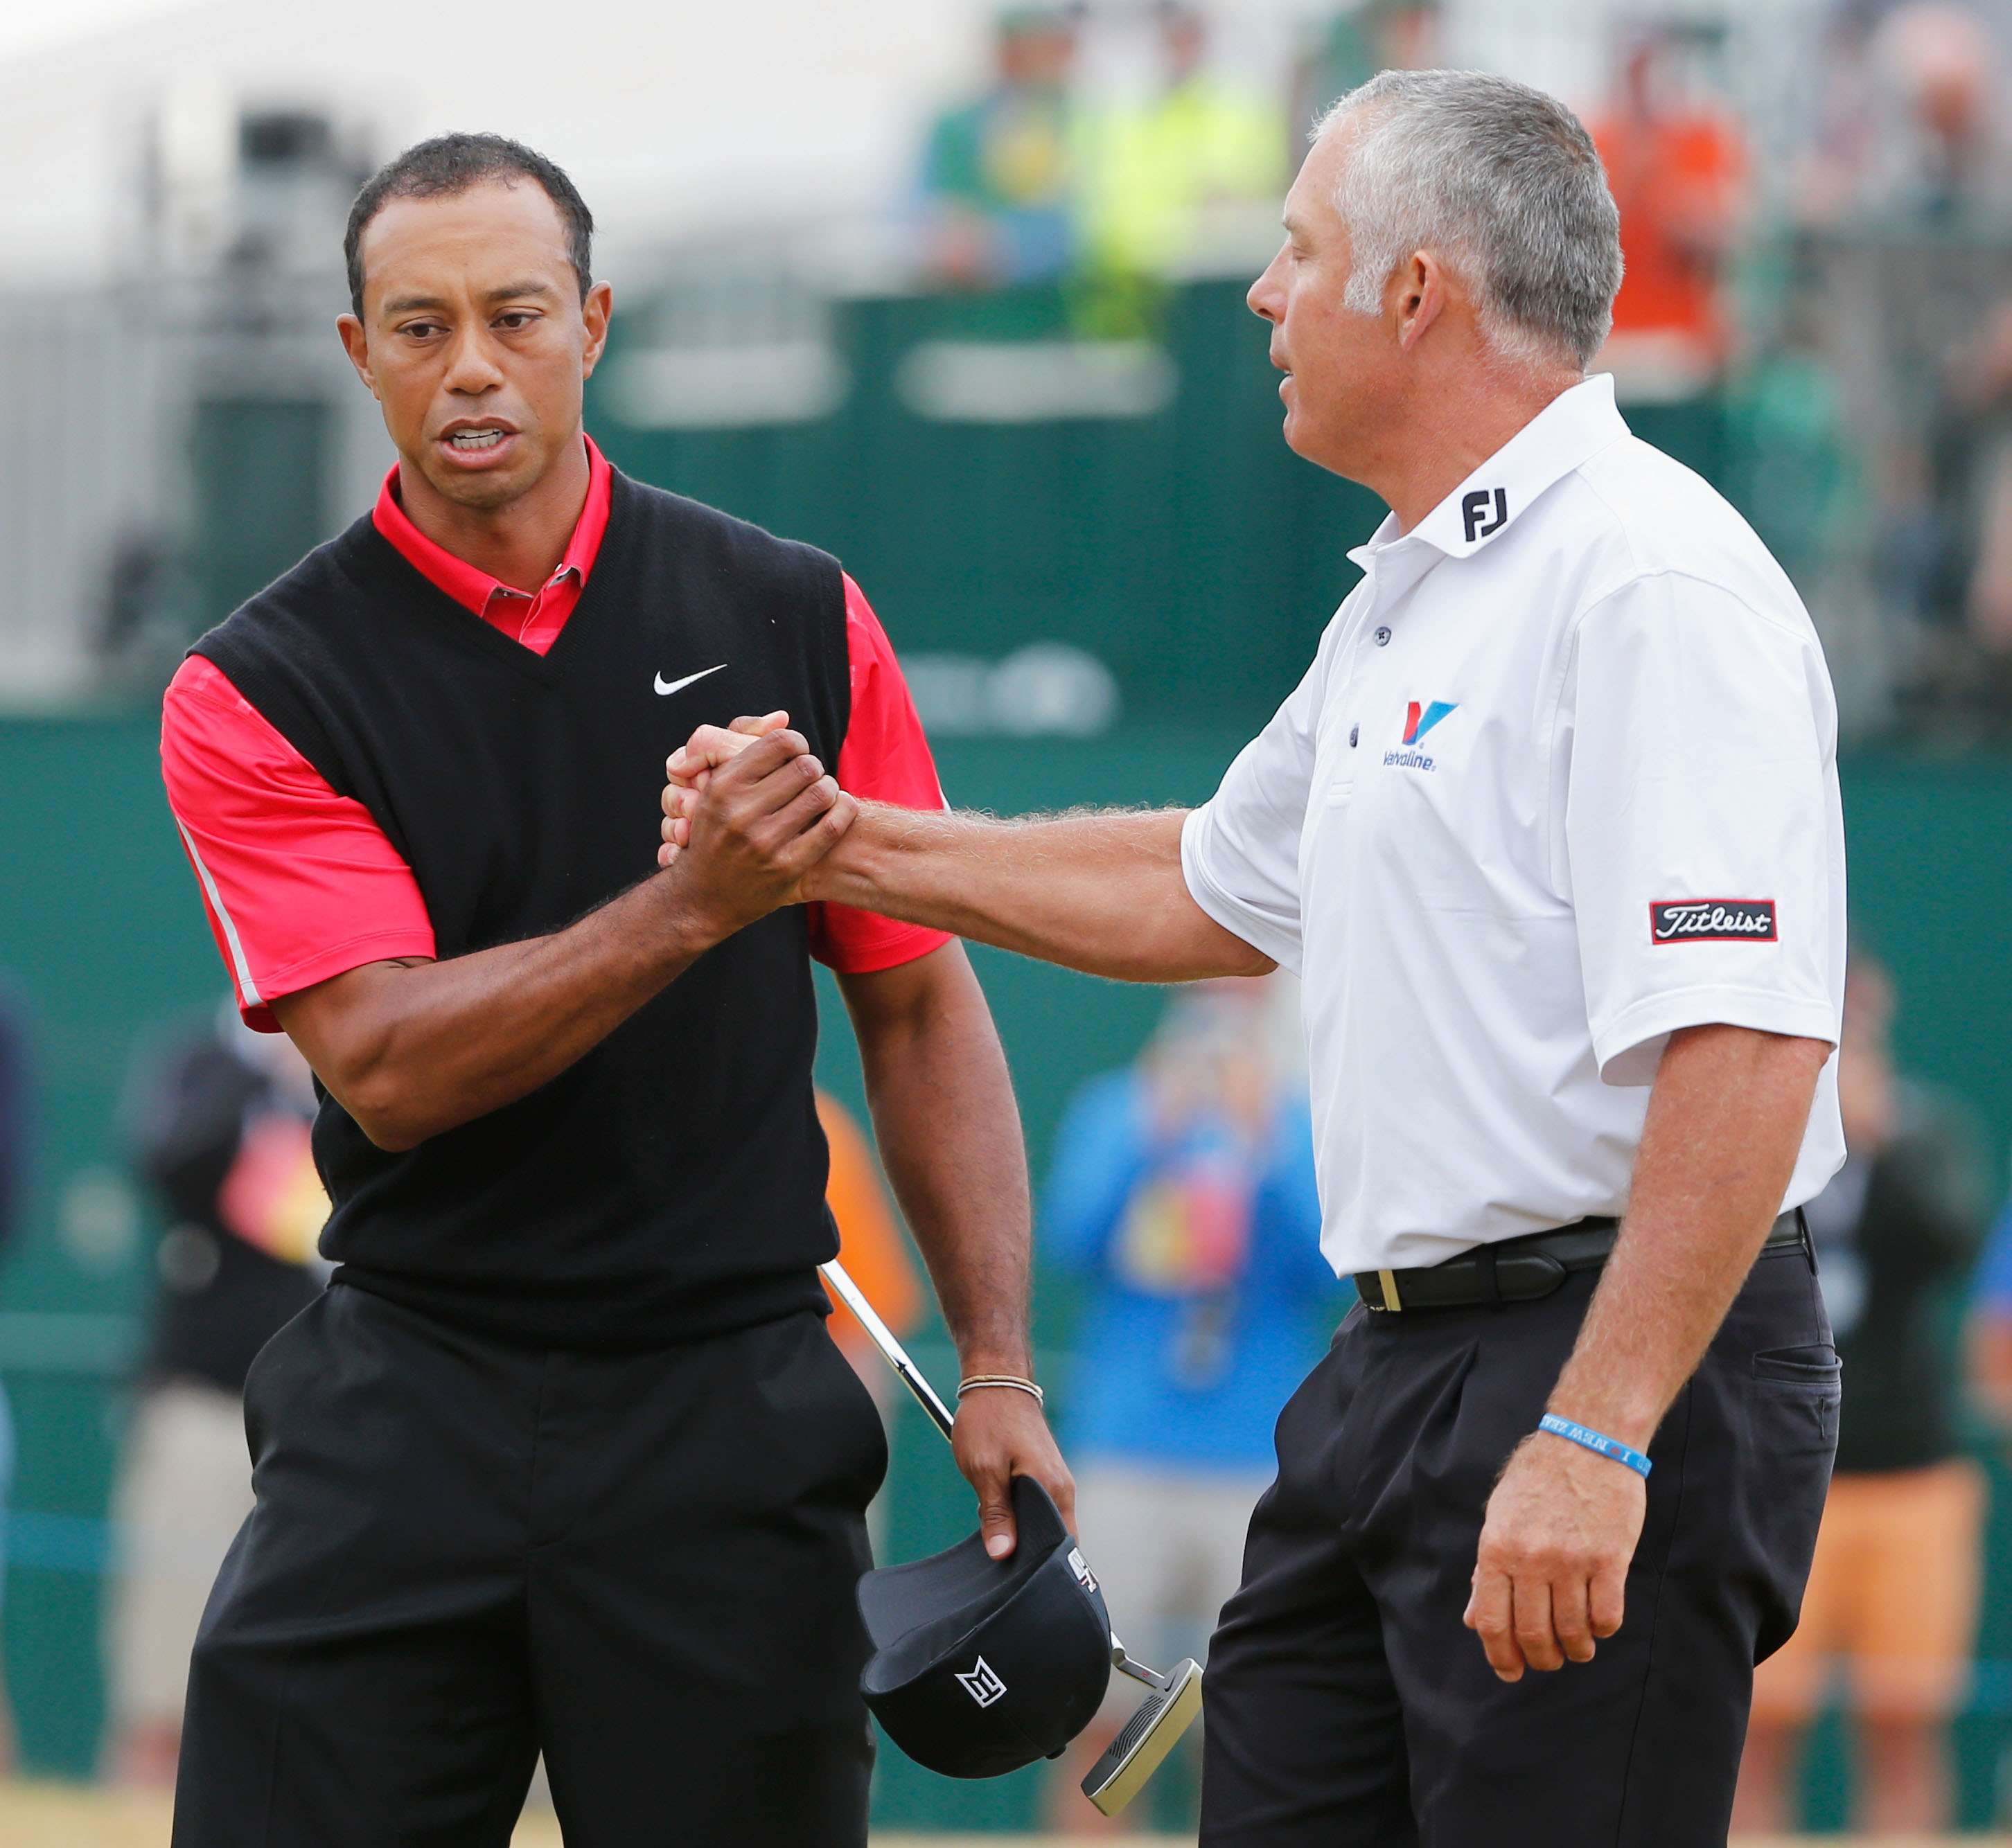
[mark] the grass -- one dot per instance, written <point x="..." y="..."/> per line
<point x="75" y="1816"/>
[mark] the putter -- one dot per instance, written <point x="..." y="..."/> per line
<point x="1174" y="1703"/>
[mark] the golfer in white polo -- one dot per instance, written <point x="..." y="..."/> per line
<point x="1551" y="832"/>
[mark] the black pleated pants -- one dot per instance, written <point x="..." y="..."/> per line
<point x="464" y="1552"/>
<point x="1346" y="1704"/>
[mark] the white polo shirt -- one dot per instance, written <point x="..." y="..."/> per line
<point x="1562" y="780"/>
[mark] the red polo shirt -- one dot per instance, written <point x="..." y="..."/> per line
<point x="301" y="883"/>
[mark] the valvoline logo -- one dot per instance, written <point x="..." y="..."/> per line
<point x="1419" y="718"/>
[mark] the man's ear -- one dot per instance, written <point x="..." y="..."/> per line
<point x="1421" y="295"/>
<point x="594" y="312"/>
<point x="356" y="346"/>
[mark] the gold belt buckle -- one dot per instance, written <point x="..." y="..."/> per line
<point x="1389" y="1282"/>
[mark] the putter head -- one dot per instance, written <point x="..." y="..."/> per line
<point x="1151" y="1734"/>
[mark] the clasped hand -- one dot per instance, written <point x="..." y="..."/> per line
<point x="747" y="815"/>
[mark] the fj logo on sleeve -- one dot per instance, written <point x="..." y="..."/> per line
<point x="677" y="686"/>
<point x="1419" y="718"/>
<point x="981" y="1683"/>
<point x="1708" y="921"/>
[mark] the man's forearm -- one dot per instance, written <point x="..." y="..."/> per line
<point x="949" y="1133"/>
<point x="943" y="1113"/>
<point x="412" y="1049"/>
<point x="1101" y="891"/>
<point x="1725" y="1120"/>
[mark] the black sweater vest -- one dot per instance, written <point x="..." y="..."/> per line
<point x="671" y="1183"/>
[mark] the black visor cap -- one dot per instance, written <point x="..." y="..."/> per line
<point x="981" y="1666"/>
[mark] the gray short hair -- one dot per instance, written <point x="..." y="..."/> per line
<point x="1500" y="179"/>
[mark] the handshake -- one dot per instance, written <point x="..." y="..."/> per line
<point x="749" y="819"/>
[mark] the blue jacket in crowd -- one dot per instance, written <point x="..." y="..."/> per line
<point x="1206" y="1298"/>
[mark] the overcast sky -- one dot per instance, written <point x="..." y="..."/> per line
<point x="34" y="23"/>
<point x="674" y="116"/>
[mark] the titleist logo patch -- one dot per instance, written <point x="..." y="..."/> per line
<point x="1704" y="920"/>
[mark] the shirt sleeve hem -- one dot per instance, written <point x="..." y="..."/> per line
<point x="324" y="965"/>
<point x="908" y="943"/>
<point x="1280" y="946"/>
<point x="1626" y="1048"/>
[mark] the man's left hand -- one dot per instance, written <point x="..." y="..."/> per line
<point x="1552" y="1571"/>
<point x="688" y="771"/>
<point x="1001" y="1433"/>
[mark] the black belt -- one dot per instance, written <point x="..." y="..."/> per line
<point x="1522" y="1269"/>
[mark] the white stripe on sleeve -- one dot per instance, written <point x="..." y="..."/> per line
<point x="248" y="990"/>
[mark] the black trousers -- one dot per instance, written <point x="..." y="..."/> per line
<point x="1347" y="1704"/>
<point x="464" y="1552"/>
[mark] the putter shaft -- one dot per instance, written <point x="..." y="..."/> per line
<point x="891" y="1350"/>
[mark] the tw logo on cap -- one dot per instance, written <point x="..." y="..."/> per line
<point x="1707" y="920"/>
<point x="982" y="1682"/>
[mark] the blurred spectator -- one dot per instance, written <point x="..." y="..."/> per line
<point x="1182" y="1196"/>
<point x="218" y="1125"/>
<point x="1941" y="151"/>
<point x="1905" y="203"/>
<point x="1350" y="47"/>
<point x="998" y="176"/>
<point x="872" y="1249"/>
<point x="149" y="610"/>
<point x="15" y="1141"/>
<point x="1926" y="378"/>
<point x="1892" y="1595"/>
<point x="1171" y="177"/>
<point x="1990" y="1328"/>
<point x="1827" y="176"/>
<point x="1676" y="163"/>
<point x="1790" y="467"/>
<point x="1971" y="463"/>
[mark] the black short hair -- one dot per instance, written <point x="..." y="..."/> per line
<point x="448" y="164"/>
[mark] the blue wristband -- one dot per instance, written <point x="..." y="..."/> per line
<point x="1593" y="1440"/>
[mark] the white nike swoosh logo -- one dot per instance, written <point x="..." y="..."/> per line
<point x="672" y="686"/>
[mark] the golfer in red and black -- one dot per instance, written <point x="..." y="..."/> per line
<point x="563" y="1460"/>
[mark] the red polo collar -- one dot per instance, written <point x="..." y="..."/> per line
<point x="490" y="598"/>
